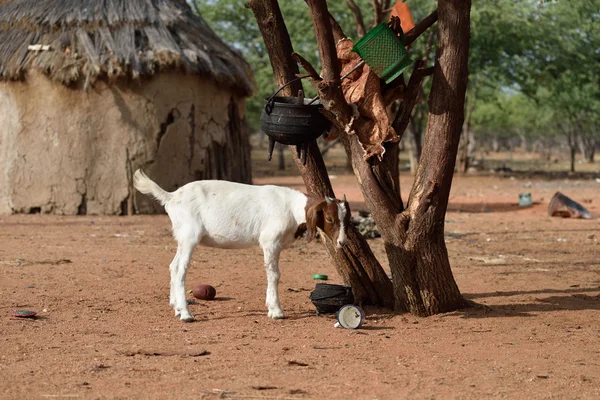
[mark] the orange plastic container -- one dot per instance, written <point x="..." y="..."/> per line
<point x="402" y="11"/>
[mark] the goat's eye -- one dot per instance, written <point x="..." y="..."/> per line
<point x="329" y="220"/>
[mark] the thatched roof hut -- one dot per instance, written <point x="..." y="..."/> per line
<point x="90" y="90"/>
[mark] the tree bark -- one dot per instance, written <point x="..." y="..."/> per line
<point x="414" y="238"/>
<point x="422" y="275"/>
<point x="355" y="263"/>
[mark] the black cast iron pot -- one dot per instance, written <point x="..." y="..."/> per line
<point x="287" y="122"/>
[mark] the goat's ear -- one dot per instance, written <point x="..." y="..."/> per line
<point x="314" y="219"/>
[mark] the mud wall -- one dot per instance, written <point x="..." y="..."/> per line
<point x="69" y="151"/>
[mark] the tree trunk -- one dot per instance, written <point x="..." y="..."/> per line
<point x="414" y="238"/>
<point x="355" y="262"/>
<point x="572" y="142"/>
<point x="495" y="144"/>
<point x="587" y="146"/>
<point x="422" y="278"/>
<point x="465" y="150"/>
<point x="415" y="146"/>
<point x="281" y="158"/>
<point x="525" y="143"/>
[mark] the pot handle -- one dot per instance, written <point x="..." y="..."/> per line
<point x="271" y="103"/>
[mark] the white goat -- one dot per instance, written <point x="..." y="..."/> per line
<point x="232" y="215"/>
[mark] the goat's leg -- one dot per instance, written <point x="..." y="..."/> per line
<point x="184" y="251"/>
<point x="173" y="270"/>
<point x="271" y="253"/>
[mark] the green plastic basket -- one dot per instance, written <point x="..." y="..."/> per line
<point x="384" y="52"/>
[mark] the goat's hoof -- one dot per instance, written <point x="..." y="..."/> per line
<point x="275" y="314"/>
<point x="187" y="317"/>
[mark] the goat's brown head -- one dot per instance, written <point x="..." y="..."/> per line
<point x="330" y="215"/>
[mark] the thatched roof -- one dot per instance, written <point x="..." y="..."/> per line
<point x="72" y="40"/>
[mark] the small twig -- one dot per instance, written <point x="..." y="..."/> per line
<point x="22" y="262"/>
<point x="167" y="353"/>
<point x="17" y="306"/>
<point x="312" y="72"/>
<point x="299" y="363"/>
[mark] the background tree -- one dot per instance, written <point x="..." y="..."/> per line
<point x="550" y="52"/>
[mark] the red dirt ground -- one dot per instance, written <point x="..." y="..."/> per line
<point x="100" y="286"/>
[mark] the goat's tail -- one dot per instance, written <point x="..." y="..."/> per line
<point x="147" y="186"/>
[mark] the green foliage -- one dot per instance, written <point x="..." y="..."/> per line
<point x="550" y="52"/>
<point x="534" y="65"/>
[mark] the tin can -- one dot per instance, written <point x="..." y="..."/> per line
<point x="350" y="316"/>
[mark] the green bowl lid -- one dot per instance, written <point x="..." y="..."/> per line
<point x="319" y="277"/>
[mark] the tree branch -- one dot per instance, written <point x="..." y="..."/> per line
<point x="329" y="89"/>
<point x="338" y="32"/>
<point x="377" y="11"/>
<point x="279" y="46"/>
<point x="324" y="35"/>
<point x="396" y="92"/>
<point x="360" y="25"/>
<point x="312" y="72"/>
<point x="421" y="27"/>
<point x="410" y="97"/>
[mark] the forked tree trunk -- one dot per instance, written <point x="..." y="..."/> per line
<point x="414" y="238"/>
<point x="355" y="263"/>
